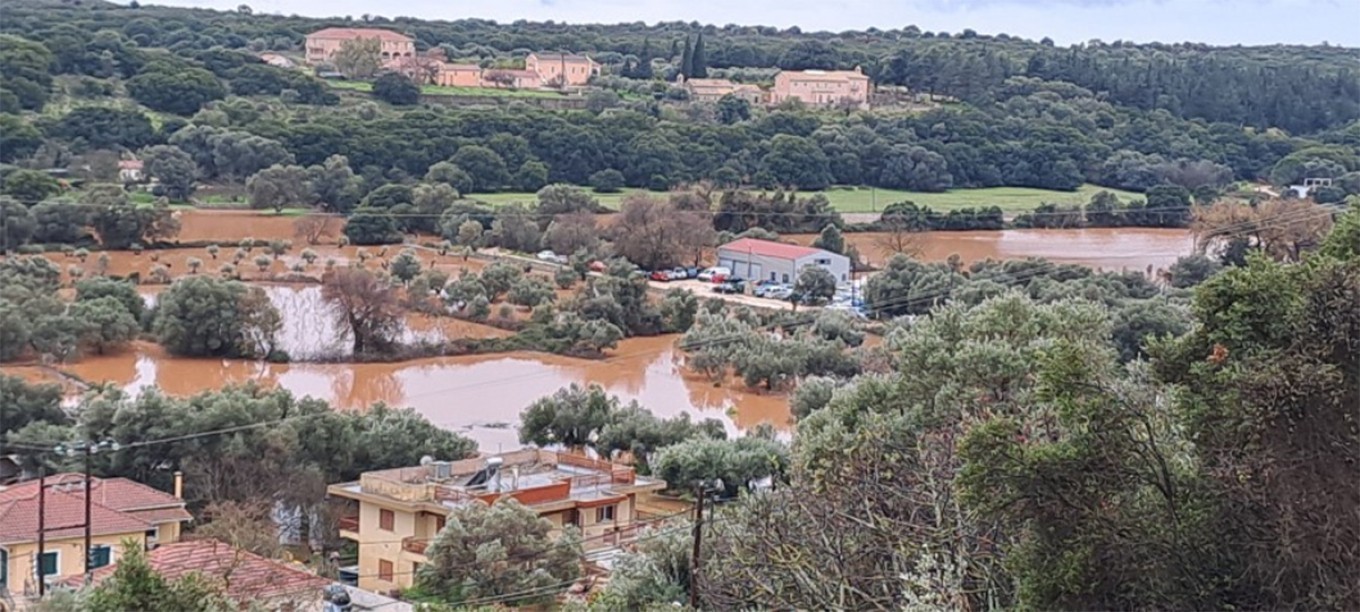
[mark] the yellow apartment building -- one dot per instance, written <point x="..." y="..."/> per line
<point x="396" y="513"/>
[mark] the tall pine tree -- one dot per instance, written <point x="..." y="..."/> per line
<point x="687" y="60"/>
<point x="698" y="61"/>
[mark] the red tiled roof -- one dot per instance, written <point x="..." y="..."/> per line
<point x="130" y="164"/>
<point x="766" y="248"/>
<point x="119" y="506"/>
<point x="116" y="493"/>
<point x="246" y="576"/>
<point x="349" y="33"/>
<point x="65" y="518"/>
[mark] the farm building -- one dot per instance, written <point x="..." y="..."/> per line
<point x="764" y="260"/>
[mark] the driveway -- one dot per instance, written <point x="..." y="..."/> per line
<point x="703" y="290"/>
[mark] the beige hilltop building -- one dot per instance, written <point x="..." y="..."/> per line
<point x="562" y="69"/>
<point x="822" y="87"/>
<point x="712" y="90"/>
<point x="322" y="45"/>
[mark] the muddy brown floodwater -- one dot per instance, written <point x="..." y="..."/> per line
<point x="1111" y="249"/>
<point x="480" y="396"/>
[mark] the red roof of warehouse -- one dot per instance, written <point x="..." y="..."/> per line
<point x="350" y="33"/>
<point x="766" y="248"/>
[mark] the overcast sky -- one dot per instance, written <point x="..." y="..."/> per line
<point x="1223" y="22"/>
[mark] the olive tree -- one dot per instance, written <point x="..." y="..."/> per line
<point x="503" y="550"/>
<point x="201" y="316"/>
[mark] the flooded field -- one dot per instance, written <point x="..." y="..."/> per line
<point x="1111" y="249"/>
<point x="483" y="395"/>
<point x="479" y="396"/>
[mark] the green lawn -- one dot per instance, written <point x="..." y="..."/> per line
<point x="439" y="90"/>
<point x="1011" y="199"/>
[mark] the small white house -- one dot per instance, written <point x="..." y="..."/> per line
<point x="130" y="171"/>
<point x="764" y="260"/>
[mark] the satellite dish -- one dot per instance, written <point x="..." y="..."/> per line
<point x="426" y="460"/>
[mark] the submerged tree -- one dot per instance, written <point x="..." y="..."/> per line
<point x="364" y="308"/>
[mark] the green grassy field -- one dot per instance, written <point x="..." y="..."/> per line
<point x="1011" y="199"/>
<point x="438" y="90"/>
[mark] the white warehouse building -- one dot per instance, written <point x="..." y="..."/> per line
<point x="757" y="260"/>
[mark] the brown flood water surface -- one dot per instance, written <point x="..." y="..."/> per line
<point x="1111" y="249"/>
<point x="480" y="396"/>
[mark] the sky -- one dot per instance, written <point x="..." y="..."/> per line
<point x="1219" y="22"/>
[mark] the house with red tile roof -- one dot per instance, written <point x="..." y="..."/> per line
<point x="121" y="511"/>
<point x="243" y="576"/>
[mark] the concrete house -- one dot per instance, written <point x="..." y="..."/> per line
<point x="822" y="87"/>
<point x="756" y="260"/>
<point x="562" y="69"/>
<point x="459" y="75"/>
<point x="396" y="513"/>
<point x="322" y="45"/>
<point x="712" y="90"/>
<point x="120" y="510"/>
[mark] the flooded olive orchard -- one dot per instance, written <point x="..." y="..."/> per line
<point x="482" y="395"/>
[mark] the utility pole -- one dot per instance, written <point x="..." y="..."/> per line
<point x="88" y="448"/>
<point x="699" y="493"/>
<point x="88" y="570"/>
<point x="42" y="525"/>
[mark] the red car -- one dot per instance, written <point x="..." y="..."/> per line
<point x="660" y="275"/>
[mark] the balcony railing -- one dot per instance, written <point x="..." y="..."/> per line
<point x="415" y="545"/>
<point x="348" y="523"/>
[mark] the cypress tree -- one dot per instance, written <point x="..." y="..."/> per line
<point x="644" y="65"/>
<point x="687" y="60"/>
<point x="698" y="60"/>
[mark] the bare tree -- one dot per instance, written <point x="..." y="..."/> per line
<point x="248" y="525"/>
<point x="654" y="233"/>
<point x="315" y="227"/>
<point x="900" y="238"/>
<point x="365" y="308"/>
<point x="1281" y="228"/>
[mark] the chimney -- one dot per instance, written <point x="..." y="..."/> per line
<point x="514" y="478"/>
<point x="179" y="484"/>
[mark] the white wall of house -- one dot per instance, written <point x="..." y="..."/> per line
<point x="754" y="266"/>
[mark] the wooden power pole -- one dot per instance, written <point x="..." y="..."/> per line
<point x="699" y="493"/>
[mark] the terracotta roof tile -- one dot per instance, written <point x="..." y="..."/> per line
<point x="766" y="248"/>
<point x="119" y="506"/>
<point x="246" y="576"/>
<point x="65" y="518"/>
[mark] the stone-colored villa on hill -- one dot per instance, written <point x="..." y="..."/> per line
<point x="323" y="44"/>
<point x="712" y="90"/>
<point x="562" y="69"/>
<point x="822" y="87"/>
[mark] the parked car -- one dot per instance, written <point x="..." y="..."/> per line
<point x="709" y="274"/>
<point x="551" y="257"/>
<point x="731" y="285"/>
<point x="663" y="276"/>
<point x="679" y="274"/>
<point x="762" y="286"/>
<point x="778" y="292"/>
<point x="598" y="266"/>
<point x="691" y="272"/>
